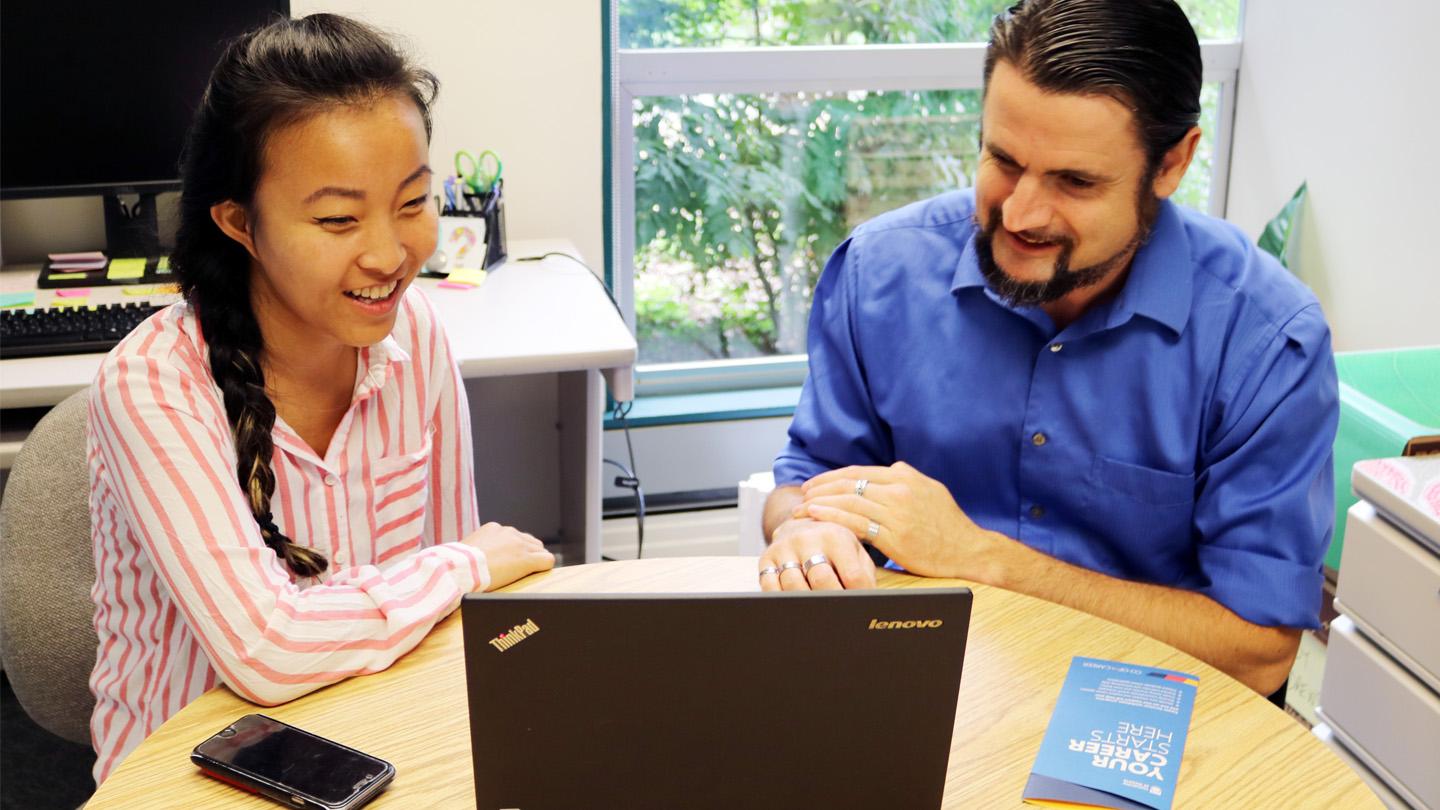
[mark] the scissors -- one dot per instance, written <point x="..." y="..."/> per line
<point x="479" y="178"/>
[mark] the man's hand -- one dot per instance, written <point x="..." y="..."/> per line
<point x="795" y="541"/>
<point x="911" y="517"/>
<point x="915" y="520"/>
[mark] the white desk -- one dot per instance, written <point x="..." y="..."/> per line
<point x="532" y="343"/>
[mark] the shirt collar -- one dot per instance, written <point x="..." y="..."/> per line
<point x="377" y="363"/>
<point x="967" y="272"/>
<point x="968" y="277"/>
<point x="1159" y="286"/>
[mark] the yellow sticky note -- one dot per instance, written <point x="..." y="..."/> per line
<point x="69" y="302"/>
<point x="121" y="269"/>
<point x="163" y="266"/>
<point x="472" y="276"/>
<point x="66" y="276"/>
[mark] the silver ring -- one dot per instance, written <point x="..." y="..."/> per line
<point x="791" y="565"/>
<point x="818" y="559"/>
<point x="769" y="569"/>
<point x="860" y="486"/>
<point x="873" y="530"/>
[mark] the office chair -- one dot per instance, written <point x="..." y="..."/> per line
<point x="47" y="566"/>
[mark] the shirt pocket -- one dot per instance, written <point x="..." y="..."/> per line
<point x="401" y="495"/>
<point x="1142" y="518"/>
<point x="1146" y="485"/>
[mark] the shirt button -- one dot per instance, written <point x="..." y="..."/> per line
<point x="1038" y="439"/>
<point x="1055" y="347"/>
<point x="331" y="480"/>
<point x="1037" y="511"/>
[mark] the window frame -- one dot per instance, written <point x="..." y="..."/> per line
<point x="635" y="73"/>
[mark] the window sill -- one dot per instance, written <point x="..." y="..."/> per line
<point x="710" y="406"/>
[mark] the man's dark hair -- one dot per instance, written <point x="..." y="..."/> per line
<point x="1142" y="53"/>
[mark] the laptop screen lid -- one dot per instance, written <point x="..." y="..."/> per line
<point x="836" y="700"/>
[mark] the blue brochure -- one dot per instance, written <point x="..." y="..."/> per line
<point x="1115" y="739"/>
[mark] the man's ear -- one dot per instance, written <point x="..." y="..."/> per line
<point x="234" y="221"/>
<point x="1174" y="163"/>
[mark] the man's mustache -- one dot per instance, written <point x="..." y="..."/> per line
<point x="1037" y="237"/>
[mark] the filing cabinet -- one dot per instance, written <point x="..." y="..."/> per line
<point x="1380" y="699"/>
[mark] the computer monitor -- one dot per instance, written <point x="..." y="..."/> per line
<point x="95" y="98"/>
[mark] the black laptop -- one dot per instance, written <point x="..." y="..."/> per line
<point x="824" y="700"/>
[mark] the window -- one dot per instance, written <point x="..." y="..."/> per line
<point x="748" y="138"/>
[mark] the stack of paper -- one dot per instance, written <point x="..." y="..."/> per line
<point x="77" y="262"/>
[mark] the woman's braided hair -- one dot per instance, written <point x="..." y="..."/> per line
<point x="266" y="79"/>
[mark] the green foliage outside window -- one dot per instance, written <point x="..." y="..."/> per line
<point x="740" y="198"/>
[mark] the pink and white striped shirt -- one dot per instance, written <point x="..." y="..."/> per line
<point x="187" y="594"/>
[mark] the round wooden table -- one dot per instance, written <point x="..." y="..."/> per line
<point x="1242" y="751"/>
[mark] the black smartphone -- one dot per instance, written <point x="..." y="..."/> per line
<point x="290" y="765"/>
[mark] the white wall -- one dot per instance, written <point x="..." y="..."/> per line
<point x="684" y="458"/>
<point x="520" y="78"/>
<point x="1342" y="94"/>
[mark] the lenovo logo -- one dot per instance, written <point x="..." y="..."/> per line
<point x="912" y="624"/>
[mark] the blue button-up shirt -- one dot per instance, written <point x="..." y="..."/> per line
<point x="1177" y="434"/>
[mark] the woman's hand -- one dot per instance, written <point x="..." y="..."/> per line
<point x="511" y="553"/>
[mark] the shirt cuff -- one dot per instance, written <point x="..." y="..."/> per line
<point x="468" y="566"/>
<point x="1261" y="589"/>
<point x="792" y="472"/>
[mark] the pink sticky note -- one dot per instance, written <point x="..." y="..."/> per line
<point x="73" y="292"/>
<point x="450" y="285"/>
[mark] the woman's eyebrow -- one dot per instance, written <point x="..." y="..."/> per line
<point x="359" y="194"/>
<point x="335" y="191"/>
<point x="423" y="171"/>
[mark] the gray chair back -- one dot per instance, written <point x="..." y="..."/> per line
<point x="47" y="567"/>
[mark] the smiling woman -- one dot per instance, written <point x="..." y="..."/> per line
<point x="281" y="475"/>
<point x="332" y="261"/>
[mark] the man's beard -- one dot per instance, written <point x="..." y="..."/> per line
<point x="1064" y="280"/>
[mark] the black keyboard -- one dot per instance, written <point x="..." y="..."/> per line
<point x="69" y="330"/>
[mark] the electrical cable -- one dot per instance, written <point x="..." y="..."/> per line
<point x="599" y="280"/>
<point x="628" y="480"/>
<point x="622" y="410"/>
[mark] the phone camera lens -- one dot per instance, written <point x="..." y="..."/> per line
<point x="229" y="732"/>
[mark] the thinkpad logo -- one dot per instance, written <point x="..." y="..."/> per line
<point x="908" y="624"/>
<point x="515" y="635"/>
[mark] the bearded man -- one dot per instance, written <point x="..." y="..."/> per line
<point x="1062" y="383"/>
